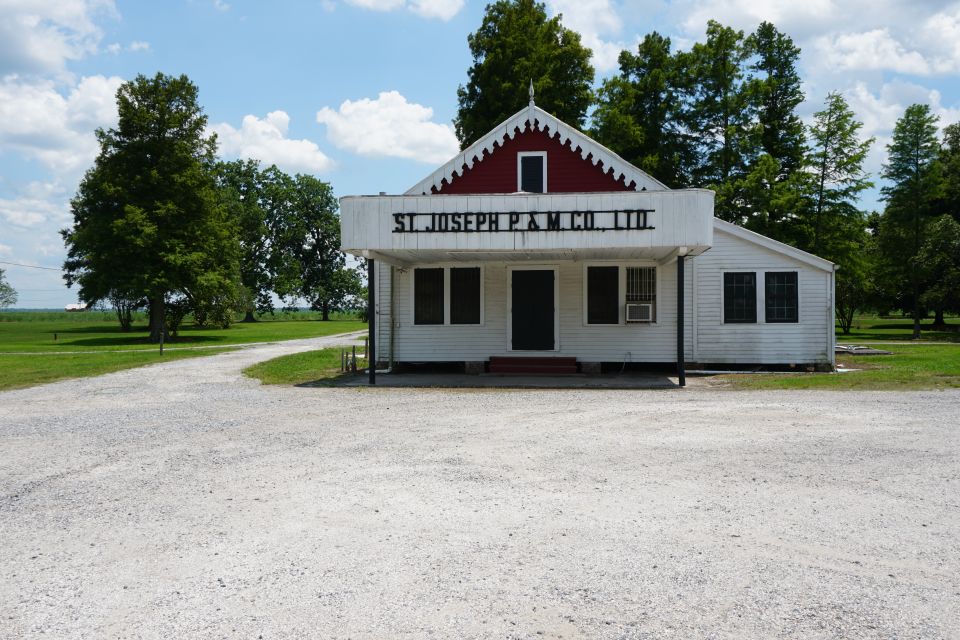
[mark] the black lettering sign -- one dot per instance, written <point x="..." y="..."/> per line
<point x="543" y="221"/>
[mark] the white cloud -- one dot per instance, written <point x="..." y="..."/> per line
<point x="40" y="204"/>
<point x="40" y="123"/>
<point x="6" y="250"/>
<point x="441" y="9"/>
<point x="139" y="45"/>
<point x="40" y="36"/>
<point x="593" y="20"/>
<point x="874" y="50"/>
<point x="266" y="140"/>
<point x="389" y="127"/>
<point x="113" y="48"/>
<point x="220" y="5"/>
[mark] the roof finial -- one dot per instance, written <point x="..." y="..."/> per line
<point x="531" y="92"/>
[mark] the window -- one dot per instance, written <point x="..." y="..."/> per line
<point x="428" y="296"/>
<point x="465" y="295"/>
<point x="447" y="295"/>
<point x="603" y="295"/>
<point x="610" y="287"/>
<point x="532" y="172"/>
<point x="739" y="297"/>
<point x="642" y="287"/>
<point x="781" y="304"/>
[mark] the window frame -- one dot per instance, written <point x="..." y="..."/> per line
<point x="761" y="296"/>
<point x="446" y="294"/>
<point x="796" y="273"/>
<point x="527" y="154"/>
<point x="621" y="291"/>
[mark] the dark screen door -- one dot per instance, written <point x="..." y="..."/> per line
<point x="533" y="309"/>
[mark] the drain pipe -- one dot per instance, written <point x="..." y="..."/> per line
<point x="393" y="322"/>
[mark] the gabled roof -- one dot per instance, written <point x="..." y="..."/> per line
<point x="773" y="245"/>
<point x="535" y="118"/>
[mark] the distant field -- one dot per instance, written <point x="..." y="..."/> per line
<point x="31" y="342"/>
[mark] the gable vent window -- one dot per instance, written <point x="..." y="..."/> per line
<point x="532" y="172"/>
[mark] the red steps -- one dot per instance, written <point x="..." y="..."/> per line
<point x="532" y="365"/>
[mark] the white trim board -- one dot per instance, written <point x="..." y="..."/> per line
<point x="772" y="245"/>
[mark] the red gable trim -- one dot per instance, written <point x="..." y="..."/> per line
<point x="567" y="170"/>
<point x="535" y="118"/>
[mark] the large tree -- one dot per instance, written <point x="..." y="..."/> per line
<point x="247" y="192"/>
<point x="721" y="113"/>
<point x="912" y="172"/>
<point x="773" y="191"/>
<point x="939" y="262"/>
<point x="516" y="44"/>
<point x="775" y="91"/>
<point x="147" y="220"/>
<point x="836" y="162"/>
<point x="308" y="236"/>
<point x="8" y="295"/>
<point x="640" y="113"/>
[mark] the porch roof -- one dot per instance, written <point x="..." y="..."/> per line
<point x="646" y="225"/>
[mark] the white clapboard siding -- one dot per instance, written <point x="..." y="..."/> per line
<point x="435" y="343"/>
<point x="706" y="338"/>
<point x="808" y="341"/>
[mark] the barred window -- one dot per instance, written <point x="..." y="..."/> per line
<point x="740" y="297"/>
<point x="781" y="296"/>
<point x="642" y="286"/>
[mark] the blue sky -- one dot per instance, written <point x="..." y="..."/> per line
<point x="362" y="92"/>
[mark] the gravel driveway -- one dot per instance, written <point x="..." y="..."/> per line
<point x="185" y="501"/>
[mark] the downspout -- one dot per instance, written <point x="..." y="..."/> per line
<point x="393" y="322"/>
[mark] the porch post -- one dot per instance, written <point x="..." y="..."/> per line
<point x="371" y="322"/>
<point x="681" y="374"/>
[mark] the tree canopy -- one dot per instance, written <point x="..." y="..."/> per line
<point x="8" y="295"/>
<point x="516" y="44"/>
<point x="147" y="220"/>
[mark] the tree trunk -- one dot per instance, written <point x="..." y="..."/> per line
<point x="249" y="316"/>
<point x="325" y="307"/>
<point x="939" y="321"/>
<point x="157" y="320"/>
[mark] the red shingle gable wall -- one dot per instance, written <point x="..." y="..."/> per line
<point x="567" y="172"/>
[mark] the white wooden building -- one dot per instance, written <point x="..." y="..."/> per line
<point x="537" y="241"/>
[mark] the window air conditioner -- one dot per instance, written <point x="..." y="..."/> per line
<point x="640" y="312"/>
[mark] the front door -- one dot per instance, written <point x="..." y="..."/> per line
<point x="533" y="308"/>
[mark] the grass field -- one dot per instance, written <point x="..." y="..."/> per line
<point x="300" y="368"/>
<point x="39" y="347"/>
<point x="931" y="363"/>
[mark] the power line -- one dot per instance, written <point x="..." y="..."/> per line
<point x="30" y="266"/>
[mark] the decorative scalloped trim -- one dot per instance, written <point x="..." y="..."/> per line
<point x="534" y="118"/>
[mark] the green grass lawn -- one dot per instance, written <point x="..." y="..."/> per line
<point x="911" y="367"/>
<point x="868" y="328"/>
<point x="29" y="342"/>
<point x="33" y="369"/>
<point x="300" y="368"/>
